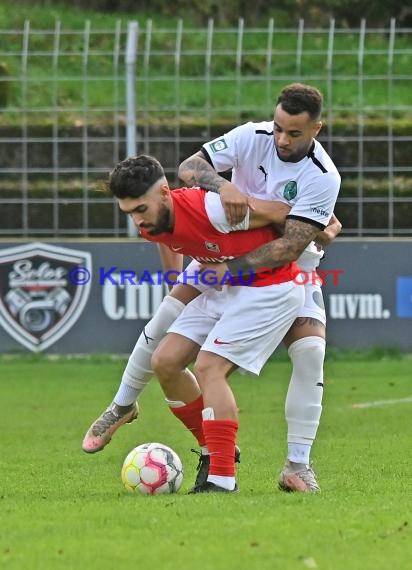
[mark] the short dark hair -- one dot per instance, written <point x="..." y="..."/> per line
<point x="298" y="98"/>
<point x="132" y="177"/>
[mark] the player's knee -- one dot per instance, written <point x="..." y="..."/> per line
<point x="204" y="369"/>
<point x="209" y="368"/>
<point x="165" y="364"/>
<point x="307" y="353"/>
<point x="199" y="369"/>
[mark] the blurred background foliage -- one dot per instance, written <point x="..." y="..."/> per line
<point x="347" y="13"/>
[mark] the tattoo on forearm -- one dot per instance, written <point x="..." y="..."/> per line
<point x="261" y="257"/>
<point x="197" y="172"/>
<point x="278" y="252"/>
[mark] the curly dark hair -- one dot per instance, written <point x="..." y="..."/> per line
<point x="298" y="98"/>
<point x="132" y="177"/>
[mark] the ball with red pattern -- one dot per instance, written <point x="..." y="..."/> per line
<point x="152" y="469"/>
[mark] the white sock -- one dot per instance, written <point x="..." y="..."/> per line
<point x="303" y="406"/>
<point x="299" y="453"/>
<point x="222" y="481"/>
<point x="126" y="395"/>
<point x="138" y="369"/>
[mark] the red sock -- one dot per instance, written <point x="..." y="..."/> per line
<point x="191" y="416"/>
<point x="220" y="438"/>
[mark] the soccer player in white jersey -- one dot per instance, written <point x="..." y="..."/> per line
<point x="279" y="160"/>
<point x="282" y="160"/>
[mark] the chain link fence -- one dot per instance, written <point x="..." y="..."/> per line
<point x="72" y="104"/>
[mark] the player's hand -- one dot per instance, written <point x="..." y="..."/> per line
<point x="234" y="202"/>
<point x="214" y="274"/>
<point x="330" y="232"/>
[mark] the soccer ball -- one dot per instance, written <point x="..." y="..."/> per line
<point x="152" y="469"/>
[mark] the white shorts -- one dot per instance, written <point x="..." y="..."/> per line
<point x="308" y="262"/>
<point x="190" y="276"/>
<point x="242" y="324"/>
<point x="313" y="307"/>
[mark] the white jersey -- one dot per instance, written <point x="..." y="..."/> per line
<point x="310" y="187"/>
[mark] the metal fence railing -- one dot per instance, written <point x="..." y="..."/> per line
<point x="65" y="118"/>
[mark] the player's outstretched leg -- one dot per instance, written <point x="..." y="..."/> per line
<point x="303" y="409"/>
<point x="136" y="376"/>
<point x="101" y="431"/>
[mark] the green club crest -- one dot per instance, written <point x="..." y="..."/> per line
<point x="290" y="191"/>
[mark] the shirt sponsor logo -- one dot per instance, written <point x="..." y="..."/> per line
<point x="319" y="210"/>
<point x="218" y="145"/>
<point x="290" y="191"/>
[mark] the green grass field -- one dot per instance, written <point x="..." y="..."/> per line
<point x="63" y="509"/>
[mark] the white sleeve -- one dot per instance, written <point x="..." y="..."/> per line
<point x="318" y="200"/>
<point x="217" y="218"/>
<point x="223" y="151"/>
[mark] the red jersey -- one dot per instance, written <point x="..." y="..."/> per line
<point x="194" y="235"/>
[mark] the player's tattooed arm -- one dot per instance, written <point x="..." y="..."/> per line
<point x="297" y="236"/>
<point x="196" y="171"/>
<point x="333" y="229"/>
